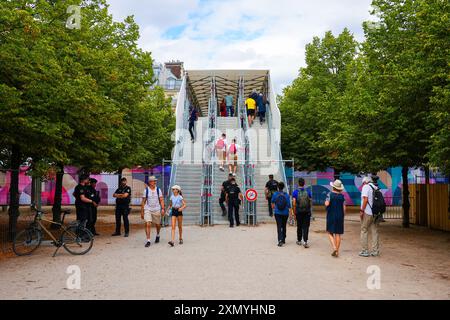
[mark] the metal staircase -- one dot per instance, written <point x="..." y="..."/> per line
<point x="195" y="166"/>
<point x="230" y="127"/>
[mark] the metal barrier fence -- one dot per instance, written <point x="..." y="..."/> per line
<point x="107" y="185"/>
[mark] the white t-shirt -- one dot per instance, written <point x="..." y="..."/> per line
<point x="152" y="203"/>
<point x="367" y="191"/>
<point x="177" y="201"/>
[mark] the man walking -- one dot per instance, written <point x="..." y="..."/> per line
<point x="368" y="223"/>
<point x="251" y="110"/>
<point x="282" y="205"/>
<point x="152" y="209"/>
<point x="223" y="193"/>
<point x="271" y="188"/>
<point x="193" y="117"/>
<point x="302" y="203"/>
<point x="94" y="195"/>
<point x="229" y="104"/>
<point x="123" y="198"/>
<point x="234" y="198"/>
<point x="260" y="103"/>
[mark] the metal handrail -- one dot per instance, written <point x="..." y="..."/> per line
<point x="247" y="169"/>
<point x="207" y="190"/>
<point x="182" y="125"/>
<point x="273" y="141"/>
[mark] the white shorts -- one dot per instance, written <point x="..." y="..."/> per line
<point x="152" y="216"/>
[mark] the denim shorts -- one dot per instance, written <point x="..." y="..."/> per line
<point x="176" y="213"/>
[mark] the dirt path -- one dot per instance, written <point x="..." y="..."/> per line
<point x="240" y="263"/>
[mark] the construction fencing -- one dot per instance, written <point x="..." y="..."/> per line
<point x="107" y="185"/>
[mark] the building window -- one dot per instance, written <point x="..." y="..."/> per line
<point x="170" y="83"/>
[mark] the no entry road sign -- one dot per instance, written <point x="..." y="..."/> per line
<point x="251" y="195"/>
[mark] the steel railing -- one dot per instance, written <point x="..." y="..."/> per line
<point x="182" y="118"/>
<point x="207" y="189"/>
<point x="247" y="168"/>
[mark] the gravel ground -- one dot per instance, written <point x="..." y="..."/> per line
<point x="241" y="263"/>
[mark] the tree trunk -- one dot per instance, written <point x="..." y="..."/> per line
<point x="119" y="176"/>
<point x="427" y="175"/>
<point x="33" y="190"/>
<point x="406" y="204"/>
<point x="337" y="174"/>
<point x="58" y="195"/>
<point x="146" y="177"/>
<point x="14" y="192"/>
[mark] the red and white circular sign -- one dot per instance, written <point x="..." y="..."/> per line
<point x="251" y="195"/>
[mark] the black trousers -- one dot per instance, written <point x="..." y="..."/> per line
<point x="233" y="213"/>
<point x="83" y="213"/>
<point x="191" y="129"/>
<point x="269" y="201"/>
<point x="303" y="222"/>
<point x="122" y="211"/>
<point x="262" y="116"/>
<point x="281" y="226"/>
<point x="92" y="219"/>
<point x="222" y="205"/>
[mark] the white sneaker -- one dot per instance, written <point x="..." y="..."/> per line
<point x="364" y="253"/>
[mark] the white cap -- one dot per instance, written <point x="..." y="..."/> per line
<point x="367" y="180"/>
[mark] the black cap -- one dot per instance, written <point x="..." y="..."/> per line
<point x="83" y="177"/>
<point x="93" y="180"/>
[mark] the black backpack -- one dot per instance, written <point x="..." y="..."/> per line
<point x="280" y="201"/>
<point x="303" y="201"/>
<point x="378" y="203"/>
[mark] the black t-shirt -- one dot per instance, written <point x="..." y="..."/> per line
<point x="123" y="201"/>
<point x="272" y="185"/>
<point x="233" y="192"/>
<point x="93" y="194"/>
<point x="78" y="192"/>
<point x="225" y="185"/>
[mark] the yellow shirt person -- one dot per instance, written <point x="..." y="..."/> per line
<point x="250" y="103"/>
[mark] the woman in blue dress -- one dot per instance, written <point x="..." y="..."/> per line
<point x="335" y="205"/>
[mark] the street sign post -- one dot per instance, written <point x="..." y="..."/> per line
<point x="251" y="195"/>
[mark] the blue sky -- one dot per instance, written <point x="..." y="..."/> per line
<point x="235" y="34"/>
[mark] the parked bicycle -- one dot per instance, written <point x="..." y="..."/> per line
<point x="75" y="238"/>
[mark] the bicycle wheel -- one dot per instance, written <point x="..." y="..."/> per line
<point x="77" y="240"/>
<point x="26" y="241"/>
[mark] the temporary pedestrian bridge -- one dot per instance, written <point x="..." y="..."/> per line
<point x="195" y="165"/>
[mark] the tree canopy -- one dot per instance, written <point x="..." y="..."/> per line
<point x="383" y="102"/>
<point x="77" y="96"/>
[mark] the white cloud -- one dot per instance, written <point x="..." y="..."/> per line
<point x="238" y="34"/>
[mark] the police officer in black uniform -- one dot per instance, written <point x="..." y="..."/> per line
<point x="233" y="197"/>
<point x="271" y="188"/>
<point x="123" y="198"/>
<point x="223" y="193"/>
<point x="94" y="195"/>
<point x="82" y="201"/>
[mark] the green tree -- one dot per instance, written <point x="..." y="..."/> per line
<point x="309" y="106"/>
<point x="406" y="56"/>
<point x="75" y="96"/>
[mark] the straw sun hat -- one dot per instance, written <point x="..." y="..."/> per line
<point x="337" y="184"/>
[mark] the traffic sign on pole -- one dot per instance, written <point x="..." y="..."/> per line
<point x="251" y="195"/>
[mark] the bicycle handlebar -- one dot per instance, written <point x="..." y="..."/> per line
<point x="39" y="212"/>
